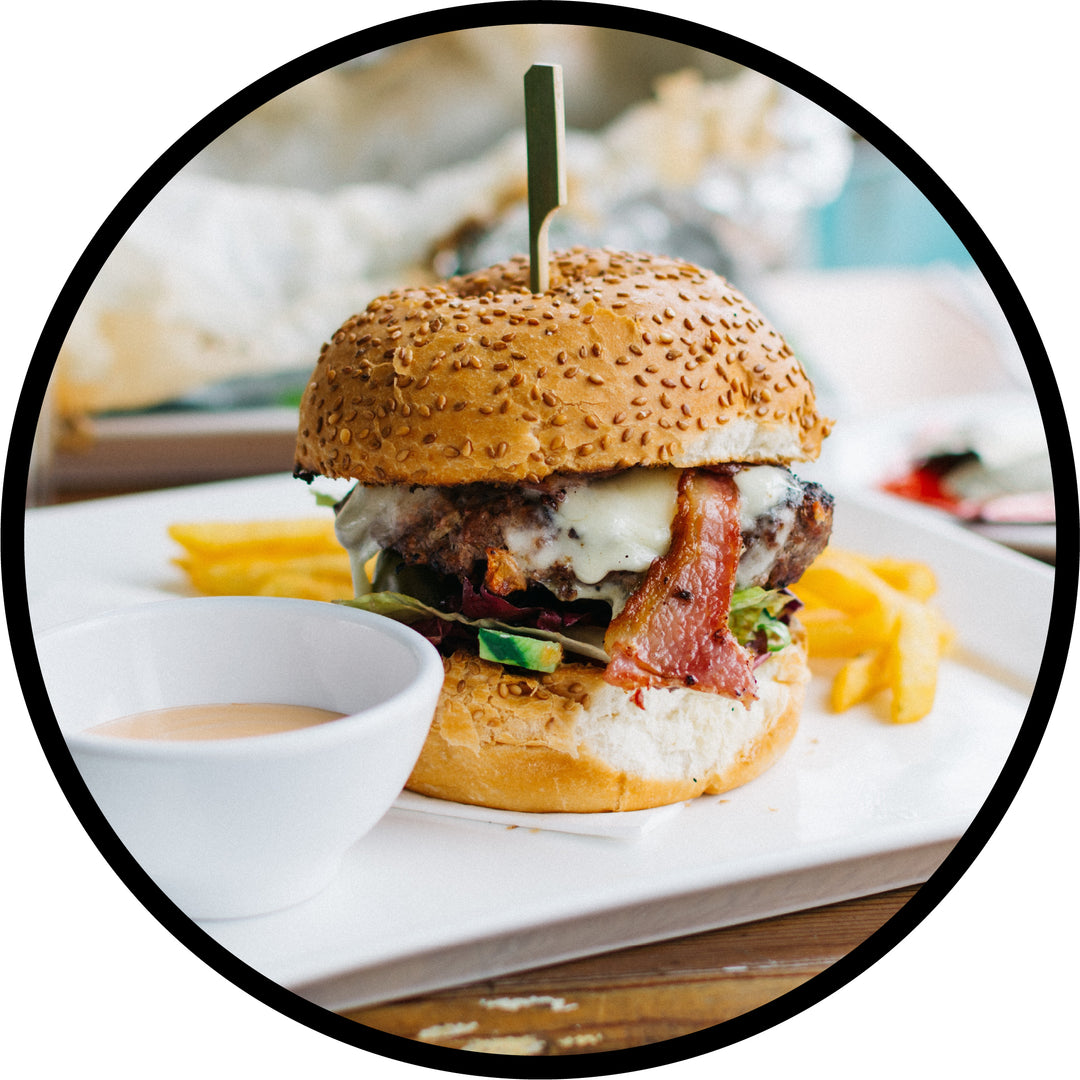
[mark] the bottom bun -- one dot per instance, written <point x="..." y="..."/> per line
<point x="571" y="742"/>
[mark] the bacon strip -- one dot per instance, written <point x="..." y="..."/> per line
<point x="674" y="630"/>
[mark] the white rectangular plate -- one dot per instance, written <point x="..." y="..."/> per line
<point x="426" y="900"/>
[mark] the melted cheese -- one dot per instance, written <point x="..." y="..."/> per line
<point x="622" y="522"/>
<point x="764" y="491"/>
<point x="761" y="487"/>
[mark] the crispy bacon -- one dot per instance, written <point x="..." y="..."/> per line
<point x="674" y="630"/>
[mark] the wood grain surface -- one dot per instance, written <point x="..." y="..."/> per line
<point x="638" y="996"/>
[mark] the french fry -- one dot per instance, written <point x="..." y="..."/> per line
<point x="914" y="664"/>
<point x="914" y="579"/>
<point x="300" y="558"/>
<point x="844" y="581"/>
<point x="859" y="679"/>
<point x="287" y="583"/>
<point x="835" y="633"/>
<point x="269" y="539"/>
<point x="244" y="577"/>
<point x="874" y="613"/>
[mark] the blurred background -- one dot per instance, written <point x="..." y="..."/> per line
<point x="186" y="361"/>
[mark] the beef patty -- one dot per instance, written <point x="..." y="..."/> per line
<point x="463" y="531"/>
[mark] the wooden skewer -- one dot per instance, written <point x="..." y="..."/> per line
<point x="545" y="135"/>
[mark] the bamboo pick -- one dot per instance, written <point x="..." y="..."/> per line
<point x="545" y="134"/>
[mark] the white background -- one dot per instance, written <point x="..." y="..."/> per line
<point x="93" y="93"/>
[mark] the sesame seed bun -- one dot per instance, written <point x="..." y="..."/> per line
<point x="627" y="359"/>
<point x="571" y="742"/>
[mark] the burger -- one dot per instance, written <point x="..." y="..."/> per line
<point x="583" y="498"/>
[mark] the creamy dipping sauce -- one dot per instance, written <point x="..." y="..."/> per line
<point x="187" y="723"/>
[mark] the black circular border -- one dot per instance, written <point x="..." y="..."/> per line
<point x="568" y="12"/>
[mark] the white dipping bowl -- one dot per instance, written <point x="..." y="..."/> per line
<point x="239" y="827"/>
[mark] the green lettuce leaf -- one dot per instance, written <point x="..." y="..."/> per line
<point x="408" y="609"/>
<point x="753" y="610"/>
<point x="756" y="610"/>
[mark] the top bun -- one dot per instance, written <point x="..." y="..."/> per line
<point x="627" y="359"/>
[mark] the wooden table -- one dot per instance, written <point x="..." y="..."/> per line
<point x="641" y="995"/>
